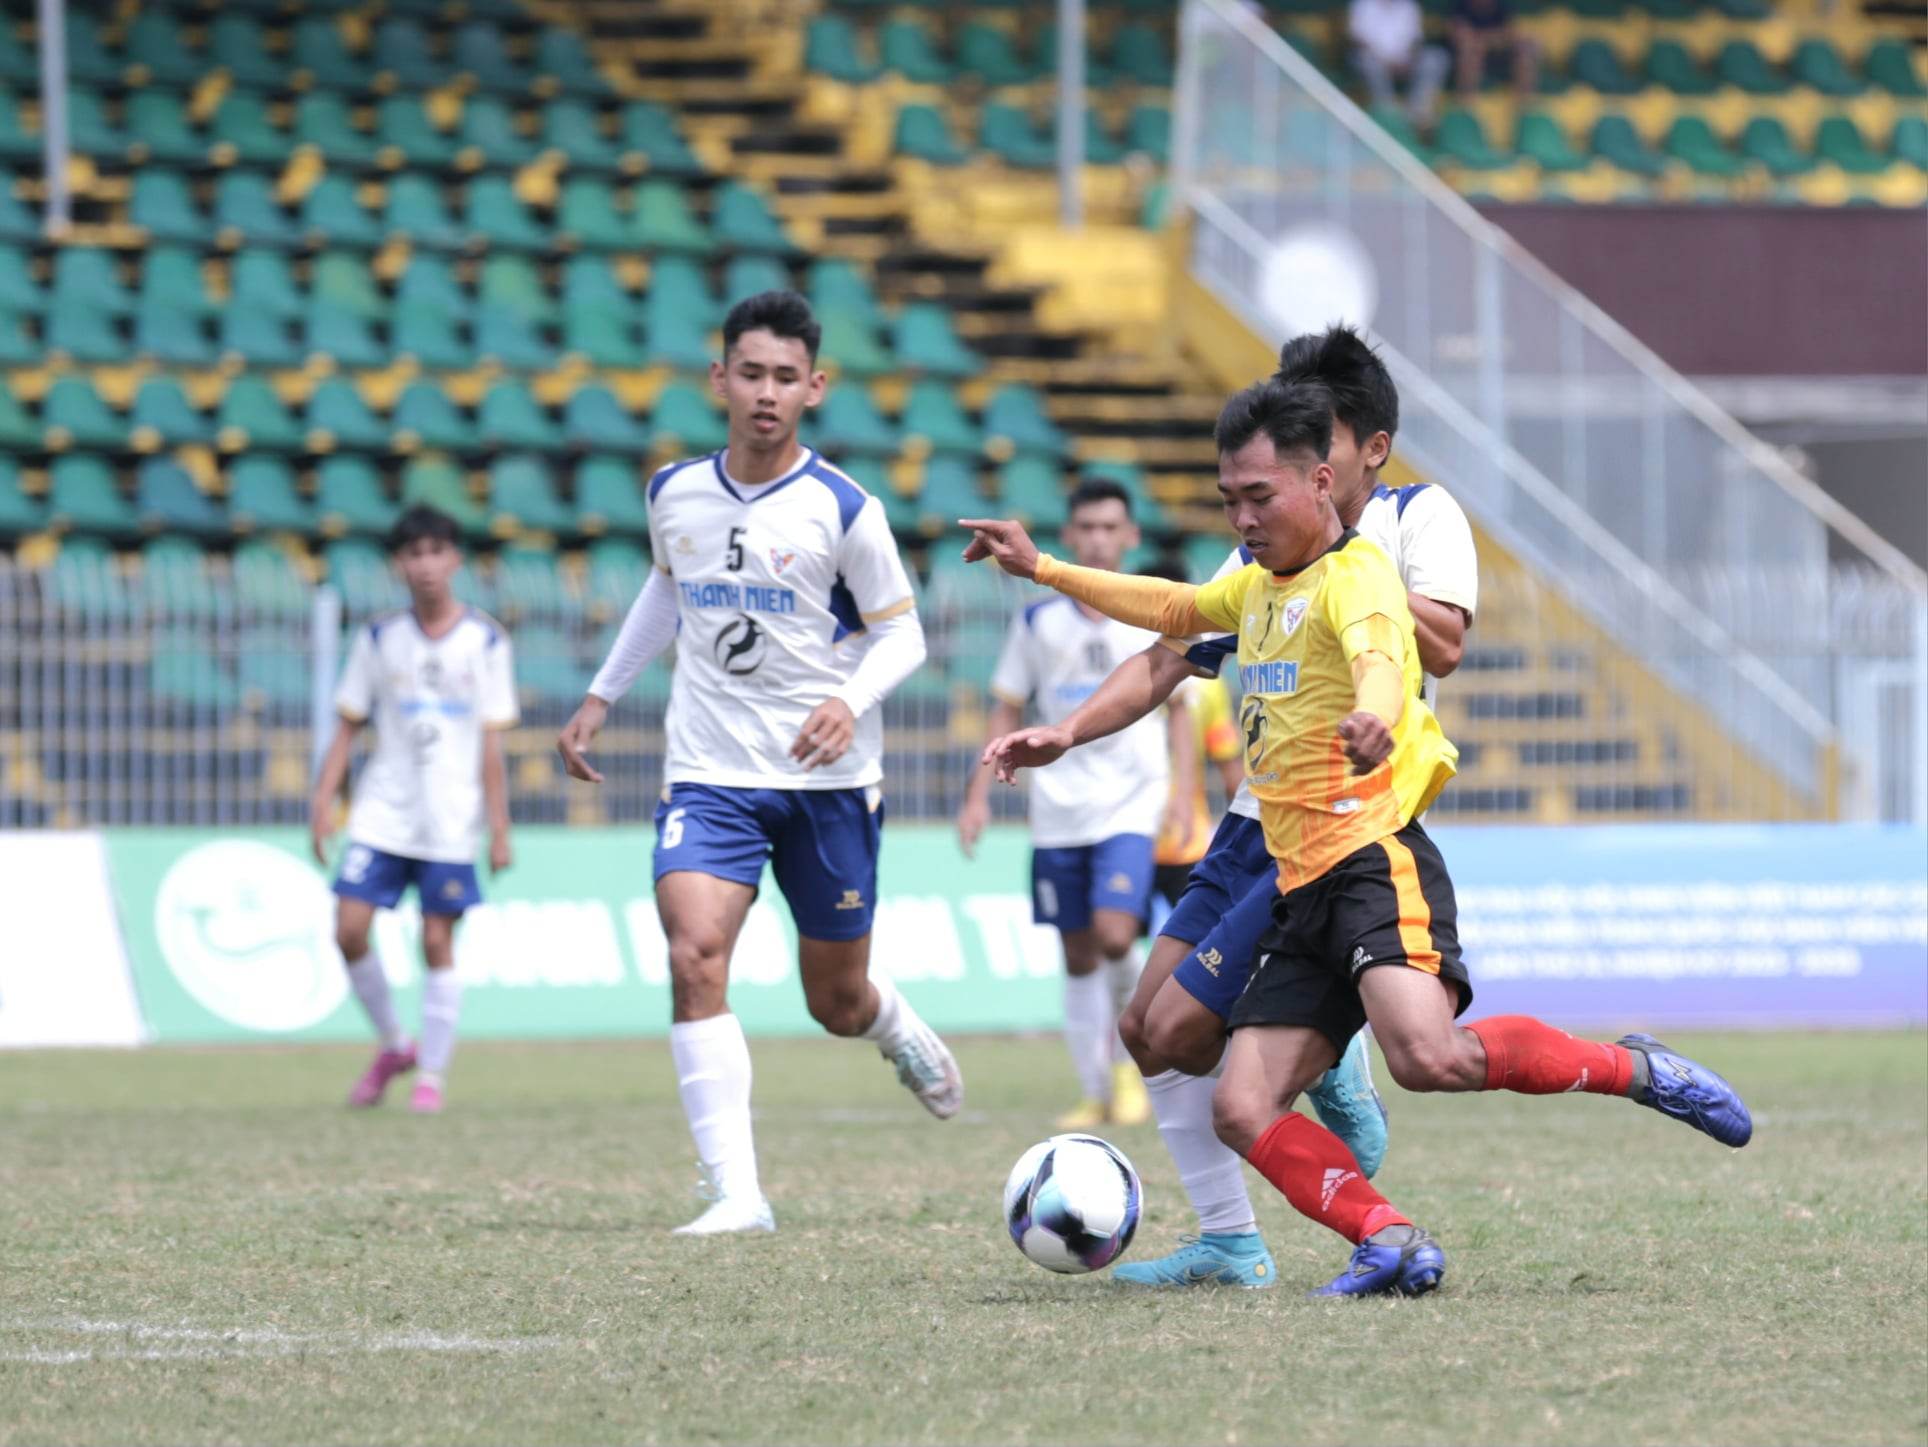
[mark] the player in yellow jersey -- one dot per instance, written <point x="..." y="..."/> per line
<point x="1344" y="756"/>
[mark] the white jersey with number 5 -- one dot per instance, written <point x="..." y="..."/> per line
<point x="429" y="699"/>
<point x="775" y="584"/>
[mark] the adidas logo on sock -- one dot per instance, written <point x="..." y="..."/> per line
<point x="1334" y="1179"/>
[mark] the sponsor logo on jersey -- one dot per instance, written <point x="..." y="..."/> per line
<point x="739" y="597"/>
<point x="781" y="559"/>
<point x="1345" y="806"/>
<point x="740" y="646"/>
<point x="1211" y="960"/>
<point x="1278" y="676"/>
<point x="1294" y="615"/>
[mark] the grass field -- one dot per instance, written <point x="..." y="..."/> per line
<point x="204" y="1247"/>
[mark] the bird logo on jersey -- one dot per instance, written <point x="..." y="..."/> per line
<point x="1252" y="720"/>
<point x="740" y="646"/>
<point x="781" y="559"/>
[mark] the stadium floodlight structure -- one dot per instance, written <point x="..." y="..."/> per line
<point x="53" y="114"/>
<point x="1687" y="540"/>
<point x="1071" y="111"/>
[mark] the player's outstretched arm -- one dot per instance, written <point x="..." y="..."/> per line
<point x="647" y="630"/>
<point x="1164" y="607"/>
<point x="1439" y="631"/>
<point x="975" y="810"/>
<point x="495" y="799"/>
<point x="328" y="782"/>
<point x="1181" y="813"/>
<point x="1130" y="691"/>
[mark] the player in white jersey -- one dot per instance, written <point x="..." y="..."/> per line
<point x="1095" y="814"/>
<point x="780" y="582"/>
<point x="1174" y="1026"/>
<point x="437" y="682"/>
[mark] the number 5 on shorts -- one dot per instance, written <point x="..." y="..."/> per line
<point x="673" y="828"/>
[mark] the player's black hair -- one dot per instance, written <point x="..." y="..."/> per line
<point x="1363" y="396"/>
<point x="422" y="521"/>
<point x="1297" y="416"/>
<point x="780" y="313"/>
<point x="1098" y="489"/>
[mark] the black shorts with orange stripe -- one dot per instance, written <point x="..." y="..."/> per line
<point x="1390" y="903"/>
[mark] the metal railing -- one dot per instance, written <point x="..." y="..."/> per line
<point x="1576" y="447"/>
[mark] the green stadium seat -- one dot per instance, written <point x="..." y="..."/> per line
<point x="1614" y="139"/>
<point x="1836" y="139"/>
<point x="987" y="52"/>
<point x="401" y="50"/>
<point x="1395" y="123"/>
<point x="1910" y="141"/>
<point x="933" y="413"/>
<point x="253" y="417"/>
<point x="414" y="212"/>
<point x="350" y="499"/>
<point x="404" y="135"/>
<point x="168" y="501"/>
<point x="320" y="55"/>
<point x="1461" y="140"/>
<point x="617" y="567"/>
<point x="651" y="131"/>
<point x="73" y="414"/>
<point x="1100" y="147"/>
<point x="261" y="280"/>
<point x="595" y="421"/>
<point x="1691" y="140"/>
<point x="174" y="586"/>
<point x="343" y="279"/>
<point x="424" y="416"/>
<point x="586" y="215"/>
<point x="1140" y="53"/>
<point x="609" y="499"/>
<point x="495" y="216"/>
<point x="529" y="582"/>
<point x="1740" y="64"/>
<point x="158" y="130"/>
<point x="1145" y="510"/>
<point x="1673" y="67"/>
<point x="662" y="221"/>
<point x="430" y="280"/>
<point x="162" y="417"/>
<point x="923" y="133"/>
<point x="332" y="215"/>
<point x="19" y="514"/>
<point x="1597" y="65"/>
<point x="681" y="282"/>
<point x="602" y="336"/>
<point x="20" y="291"/>
<point x="87" y="275"/>
<point x="17" y="223"/>
<point x="172" y="275"/>
<point x="257" y="337"/>
<point x="242" y="130"/>
<point x="340" y="338"/>
<point x="478" y="52"/>
<point x="272" y="674"/>
<point x="747" y="276"/>
<point x="1007" y="132"/>
<point x="832" y="47"/>
<point x="1148" y="132"/>
<point x="17" y="345"/>
<point x="19" y="60"/>
<point x="907" y="48"/>
<point x="89" y="131"/>
<point x="510" y="416"/>
<point x="1099" y="74"/>
<point x="19" y="430"/>
<point x="261" y="497"/>
<point x="742" y="221"/>
<point x="571" y="127"/>
<point x="83" y="496"/>
<point x="848" y="422"/>
<point x="439" y="483"/>
<point x="835" y="284"/>
<point x="1015" y="416"/>
<point x="950" y="492"/>
<point x="171" y="335"/>
<point x="926" y="342"/>
<point x="546" y="670"/>
<point x="237" y="45"/>
<point x="507" y="338"/>
<point x="1818" y="64"/>
<point x="1765" y="139"/>
<point x="83" y="333"/>
<point x="1890" y="64"/>
<point x="1541" y="140"/>
<point x="164" y="208"/>
<point x="86" y="578"/>
<point x="899" y="511"/>
<point x="685" y="422"/>
<point x="523" y="499"/>
<point x="851" y="347"/>
<point x="339" y="417"/>
<point x="268" y="581"/>
<point x="88" y="58"/>
<point x="360" y="571"/>
<point x="426" y="333"/>
<point x="323" y="120"/>
<point x="1031" y="488"/>
<point x="17" y="143"/>
<point x="513" y="282"/>
<point x="673" y="336"/>
<point x="561" y="56"/>
<point x="488" y="134"/>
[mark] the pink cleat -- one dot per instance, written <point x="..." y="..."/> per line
<point x="426" y="1099"/>
<point x="388" y="1064"/>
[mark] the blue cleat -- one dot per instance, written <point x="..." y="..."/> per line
<point x="1217" y="1258"/>
<point x="1688" y="1091"/>
<point x="1350" y="1107"/>
<point x="1396" y="1261"/>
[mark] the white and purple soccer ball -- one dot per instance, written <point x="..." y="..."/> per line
<point x="1072" y="1203"/>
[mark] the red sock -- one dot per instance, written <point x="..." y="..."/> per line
<point x="1530" y="1058"/>
<point x="1315" y="1172"/>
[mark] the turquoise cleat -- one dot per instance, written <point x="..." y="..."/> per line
<point x="1350" y="1107"/>
<point x="1218" y="1258"/>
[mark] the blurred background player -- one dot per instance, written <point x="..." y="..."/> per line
<point x="1205" y="950"/>
<point x="438" y="683"/>
<point x="779" y="577"/>
<point x="1095" y="816"/>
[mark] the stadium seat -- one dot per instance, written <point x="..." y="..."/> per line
<point x="1391" y="119"/>
<point x="1741" y="64"/>
<point x="1692" y="140"/>
<point x="1007" y="133"/>
<point x="439" y="484"/>
<point x="478" y="52"/>
<point x="1910" y="141"/>
<point x="257" y="336"/>
<point x="685" y="422"/>
<point x="513" y="282"/>
<point x="505" y="337"/>
<point x="172" y="335"/>
<point x="401" y="51"/>
<point x="246" y="213"/>
<point x="88" y="57"/>
<point x="678" y="282"/>
<point x="986" y="52"/>
<point x="546" y="670"/>
<point x="586" y="216"/>
<point x="162" y="417"/>
<point x="268" y="583"/>
<point x="926" y="342"/>
<point x="850" y="347"/>
<point x="321" y="57"/>
<point x="332" y="215"/>
<point x="243" y="131"/>
<point x="1595" y="64"/>
<point x="350" y="500"/>
<point x="405" y="135"/>
<point x="489" y="136"/>
<point x="424" y="416"/>
<point x="158" y="130"/>
<point x="571" y="127"/>
<point x="595" y="421"/>
<point x="20" y="291"/>
<point x="253" y="417"/>
<point x="848" y="422"/>
<point x="602" y="335"/>
<point x="414" y="212"/>
<point x="73" y="414"/>
<point x="742" y="221"/>
<point x="950" y="492"/>
<point x="1818" y="64"/>
<point x="617" y="567"/>
<point x="343" y="279"/>
<point x="1837" y="140"/>
<point x="172" y="275"/>
<point x="84" y="274"/>
<point x="360" y="571"/>
<point x="19" y="59"/>
<point x="747" y="276"/>
<point x="83" y="333"/>
<point x="561" y="56"/>
<point x="906" y="47"/>
<point x="261" y="497"/>
<point x="1615" y="139"/>
<point x="523" y="499"/>
<point x="1765" y="139"/>
<point x="89" y="131"/>
<point x="834" y="284"/>
<point x="651" y="131"/>
<point x="1145" y="510"/>
<point x="662" y="221"/>
<point x="1541" y="140"/>
<point x="1461" y="140"/>
<point x="430" y="280"/>
<point x="337" y="337"/>
<point x="175" y="587"/>
<point x="530" y="583"/>
<point x="237" y="45"/>
<point x="1673" y="67"/>
<point x="322" y="120"/>
<point x="609" y="499"/>
<point x="494" y="216"/>
<point x="19" y="430"/>
<point x="17" y="223"/>
<point x="17" y="347"/>
<point x="1148" y="131"/>
<point x="17" y="143"/>
<point x="19" y="514"/>
<point x="1031" y="488"/>
<point x="84" y="497"/>
<point x="832" y="47"/>
<point x="923" y="133"/>
<point x="168" y="501"/>
<point x="509" y="416"/>
<point x="1140" y="53"/>
<point x="1014" y="416"/>
<point x="1890" y="64"/>
<point x="339" y="417"/>
<point x="426" y="334"/>
<point x="933" y="413"/>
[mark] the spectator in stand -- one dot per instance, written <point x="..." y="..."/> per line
<point x="1389" y="49"/>
<point x="1484" y="29"/>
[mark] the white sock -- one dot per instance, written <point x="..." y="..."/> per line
<point x="1090" y="1025"/>
<point x="1122" y="976"/>
<point x="370" y="984"/>
<point x="896" y="1022"/>
<point x="441" y="1008"/>
<point x="1211" y="1171"/>
<point x="713" y="1075"/>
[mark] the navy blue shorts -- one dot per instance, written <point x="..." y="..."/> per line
<point x="1068" y="885"/>
<point x="1222" y="914"/>
<point x="378" y="877"/>
<point x="822" y="844"/>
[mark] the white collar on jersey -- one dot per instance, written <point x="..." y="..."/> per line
<point x="751" y="491"/>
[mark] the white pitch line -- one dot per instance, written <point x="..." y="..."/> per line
<point x="204" y="1343"/>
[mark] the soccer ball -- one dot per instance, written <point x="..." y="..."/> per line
<point x="1071" y="1203"/>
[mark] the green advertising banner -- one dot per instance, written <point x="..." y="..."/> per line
<point x="230" y="935"/>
